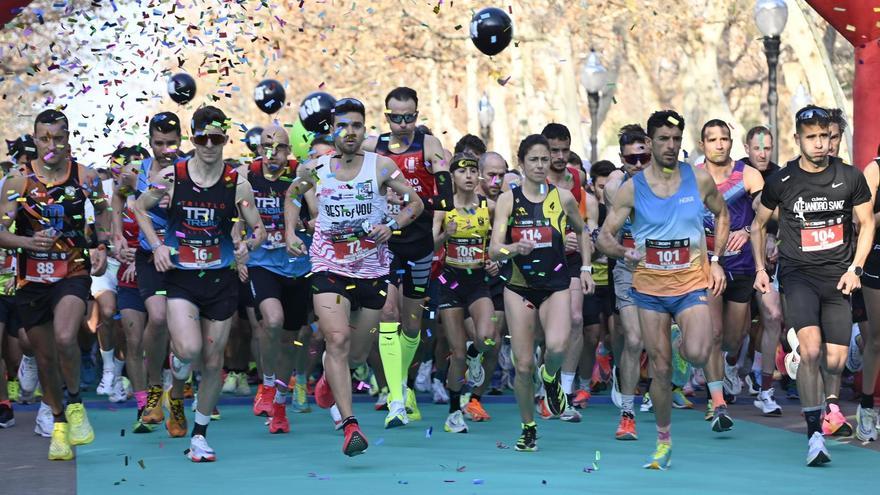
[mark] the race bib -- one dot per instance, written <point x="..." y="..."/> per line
<point x="541" y="235"/>
<point x="8" y="264"/>
<point x="198" y="256"/>
<point x="667" y="255"/>
<point x="822" y="235"/>
<point x="45" y="271"/>
<point x="351" y="247"/>
<point x="274" y="239"/>
<point x="628" y="241"/>
<point x="465" y="253"/>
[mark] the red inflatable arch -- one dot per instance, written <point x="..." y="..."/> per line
<point x="10" y="9"/>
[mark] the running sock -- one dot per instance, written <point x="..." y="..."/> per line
<point x="626" y="403"/>
<point x="74" y="398"/>
<point x="349" y="420"/>
<point x="567" y="382"/>
<point x="813" y="416"/>
<point x="390" y="352"/>
<point x="664" y="434"/>
<point x="201" y="425"/>
<point x="478" y="396"/>
<point x="408" y="347"/>
<point x="141" y="398"/>
<point x="867" y="401"/>
<point x="766" y="381"/>
<point x="472" y="351"/>
<point x="268" y="380"/>
<point x="59" y="418"/>
<point x="716" y="391"/>
<point x="454" y="401"/>
<point x="107" y="359"/>
<point x="118" y="366"/>
<point x="728" y="356"/>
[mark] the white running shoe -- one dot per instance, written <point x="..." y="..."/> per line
<point x="866" y="429"/>
<point x="647" y="403"/>
<point x="28" y="378"/>
<point x="475" y="374"/>
<point x="106" y="385"/>
<point x="336" y="416"/>
<point x="616" y="396"/>
<point x="455" y="423"/>
<point x="382" y="400"/>
<point x="242" y="387"/>
<point x="817" y="453"/>
<point x="570" y="415"/>
<point x="179" y="369"/>
<point x="423" y="379"/>
<point x="767" y="403"/>
<point x="117" y="392"/>
<point x="793" y="358"/>
<point x="199" y="450"/>
<point x="732" y="383"/>
<point x="230" y="383"/>
<point x="396" y="415"/>
<point x="440" y="394"/>
<point x="45" y="422"/>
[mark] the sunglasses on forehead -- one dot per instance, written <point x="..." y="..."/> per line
<point x="812" y="113"/>
<point x="399" y="118"/>
<point x="202" y="139"/>
<point x="637" y="158"/>
<point x="630" y="138"/>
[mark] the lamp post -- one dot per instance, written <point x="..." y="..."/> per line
<point x="485" y="114"/>
<point x="593" y="80"/>
<point x="771" y="16"/>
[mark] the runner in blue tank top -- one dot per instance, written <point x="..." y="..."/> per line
<point x="672" y="271"/>
<point x="197" y="255"/>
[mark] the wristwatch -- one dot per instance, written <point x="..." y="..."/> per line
<point x="857" y="270"/>
<point x="716" y="259"/>
<point x="587" y="269"/>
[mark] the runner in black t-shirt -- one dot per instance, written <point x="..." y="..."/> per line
<point x="817" y="196"/>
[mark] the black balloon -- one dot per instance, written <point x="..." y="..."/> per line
<point x="491" y="30"/>
<point x="269" y="95"/>
<point x="252" y="138"/>
<point x="182" y="88"/>
<point x="316" y="112"/>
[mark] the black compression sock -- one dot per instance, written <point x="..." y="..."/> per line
<point x="199" y="430"/>
<point x="472" y="351"/>
<point x="454" y="401"/>
<point x="74" y="398"/>
<point x="867" y="401"/>
<point x="476" y="396"/>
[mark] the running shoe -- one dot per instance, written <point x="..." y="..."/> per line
<point x="555" y="399"/>
<point x="179" y="369"/>
<point x="423" y="379"/>
<point x="215" y="414"/>
<point x="541" y="409"/>
<point x="13" y="390"/>
<point x="300" y="402"/>
<point x="336" y="416"/>
<point x="355" y="442"/>
<point x="7" y="417"/>
<point x="153" y="413"/>
<point x="793" y="358"/>
<point x="279" y="423"/>
<point x="710" y="411"/>
<point x="475" y="412"/>
<point x="626" y="429"/>
<point x="230" y="383"/>
<point x="396" y="415"/>
<point x="118" y="393"/>
<point x="412" y="407"/>
<point x="866" y="424"/>
<point x="767" y="403"/>
<point x="721" y="421"/>
<point x="176" y="423"/>
<point x="753" y="382"/>
<point x="59" y="447"/>
<point x="44" y="422"/>
<point x="440" y="394"/>
<point x="79" y="429"/>
<point x="141" y="427"/>
<point x="581" y="398"/>
<point x="834" y="424"/>
<point x="817" y="454"/>
<point x="661" y="459"/>
<point x="199" y="450"/>
<point x="105" y="387"/>
<point x="679" y="401"/>
<point x="28" y="377"/>
<point x="323" y="393"/>
<point x="475" y="374"/>
<point x="647" y="404"/>
<point x="732" y="383"/>
<point x="242" y="387"/>
<point x="616" y="398"/>
<point x="263" y="403"/>
<point x="382" y="400"/>
<point x="570" y="415"/>
<point x="455" y="423"/>
<point x="528" y="440"/>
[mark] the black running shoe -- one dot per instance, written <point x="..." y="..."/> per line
<point x="554" y="399"/>
<point x="528" y="441"/>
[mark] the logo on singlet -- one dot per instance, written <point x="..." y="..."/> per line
<point x="268" y="206"/>
<point x="199" y="217"/>
<point x="341" y="211"/>
<point x="365" y="189"/>
<point x="54" y="213"/>
<point x="817" y="204"/>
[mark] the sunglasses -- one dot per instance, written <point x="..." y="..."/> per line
<point x="637" y="158"/>
<point x="202" y="139"/>
<point x="399" y="118"/>
<point x="812" y="113"/>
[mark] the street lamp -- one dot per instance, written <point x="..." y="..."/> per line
<point x="771" y="16"/>
<point x="593" y="80"/>
<point x="485" y="114"/>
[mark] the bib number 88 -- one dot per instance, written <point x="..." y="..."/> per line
<point x="45" y="268"/>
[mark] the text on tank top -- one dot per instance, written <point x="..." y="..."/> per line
<point x="466" y="248"/>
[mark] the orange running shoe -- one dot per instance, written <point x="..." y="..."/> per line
<point x="153" y="414"/>
<point x="279" y="423"/>
<point x="323" y="393"/>
<point x="263" y="402"/>
<point x="543" y="411"/>
<point x="581" y="398"/>
<point x="475" y="412"/>
<point x="835" y="424"/>
<point x="355" y="442"/>
<point x="626" y="429"/>
<point x="176" y="423"/>
<point x="257" y="396"/>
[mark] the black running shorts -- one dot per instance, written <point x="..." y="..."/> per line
<point x="367" y="293"/>
<point x="292" y="293"/>
<point x="815" y="301"/>
<point x="36" y="302"/>
<point x="213" y="292"/>
<point x="150" y="282"/>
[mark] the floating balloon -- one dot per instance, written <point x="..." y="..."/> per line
<point x="300" y="141"/>
<point x="182" y="88"/>
<point x="252" y="138"/>
<point x="316" y="112"/>
<point x="491" y="30"/>
<point x="269" y="95"/>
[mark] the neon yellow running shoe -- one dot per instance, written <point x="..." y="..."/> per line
<point x="661" y="459"/>
<point x="59" y="448"/>
<point x="80" y="431"/>
<point x="412" y="407"/>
